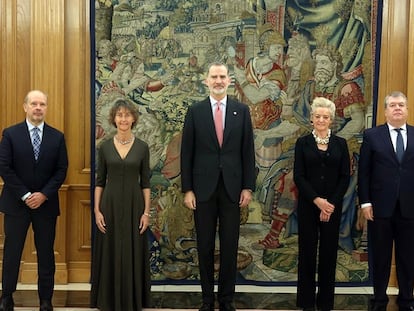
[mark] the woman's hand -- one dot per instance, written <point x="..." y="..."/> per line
<point x="100" y="221"/>
<point x="144" y="223"/>
<point x="325" y="207"/>
<point x="324" y="217"/>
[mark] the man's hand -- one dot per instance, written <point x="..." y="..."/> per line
<point x="35" y="200"/>
<point x="245" y="197"/>
<point x="368" y="213"/>
<point x="190" y="200"/>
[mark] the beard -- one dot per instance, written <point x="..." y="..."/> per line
<point x="323" y="76"/>
<point x="293" y="62"/>
<point x="219" y="91"/>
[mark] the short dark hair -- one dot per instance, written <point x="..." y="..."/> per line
<point x="122" y="103"/>
<point x="217" y="63"/>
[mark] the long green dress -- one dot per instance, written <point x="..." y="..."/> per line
<point x="120" y="263"/>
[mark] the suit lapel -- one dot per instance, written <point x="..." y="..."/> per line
<point x="43" y="144"/>
<point x="26" y="139"/>
<point x="386" y="137"/>
<point x="229" y="123"/>
<point x="409" y="152"/>
<point x="208" y="118"/>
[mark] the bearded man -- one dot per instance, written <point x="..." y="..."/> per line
<point x="327" y="82"/>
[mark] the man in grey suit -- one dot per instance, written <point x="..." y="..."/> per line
<point x="33" y="165"/>
<point x="386" y="174"/>
<point x="218" y="177"/>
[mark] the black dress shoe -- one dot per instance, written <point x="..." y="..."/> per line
<point x="45" y="305"/>
<point x="6" y="303"/>
<point x="226" y="306"/>
<point x="207" y="307"/>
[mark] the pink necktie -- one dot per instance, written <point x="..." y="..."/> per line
<point x="218" y="123"/>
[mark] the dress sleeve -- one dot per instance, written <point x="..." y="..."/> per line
<point x="145" y="169"/>
<point x="100" y="180"/>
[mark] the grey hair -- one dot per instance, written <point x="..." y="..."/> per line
<point x="322" y="102"/>
<point x="395" y="94"/>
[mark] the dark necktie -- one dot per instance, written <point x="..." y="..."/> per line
<point x="218" y="123"/>
<point x="399" y="150"/>
<point x="36" y="142"/>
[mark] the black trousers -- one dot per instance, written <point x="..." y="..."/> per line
<point x="15" y="229"/>
<point x="219" y="209"/>
<point x="314" y="234"/>
<point x="382" y="233"/>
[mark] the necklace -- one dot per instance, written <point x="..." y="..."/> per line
<point x="321" y="141"/>
<point x="124" y="142"/>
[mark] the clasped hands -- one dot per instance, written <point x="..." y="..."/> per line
<point x="34" y="200"/>
<point x="325" y="207"/>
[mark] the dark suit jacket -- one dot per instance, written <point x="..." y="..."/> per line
<point x="202" y="159"/>
<point x="382" y="180"/>
<point x="317" y="177"/>
<point x="21" y="173"/>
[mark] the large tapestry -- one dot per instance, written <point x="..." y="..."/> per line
<point x="281" y="54"/>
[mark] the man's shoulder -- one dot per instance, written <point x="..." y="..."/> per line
<point x="376" y="129"/>
<point x="52" y="130"/>
<point x="200" y="103"/>
<point x="231" y="100"/>
<point x="16" y="127"/>
<point x="411" y="127"/>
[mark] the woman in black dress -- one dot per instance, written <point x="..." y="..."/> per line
<point x="120" y="263"/>
<point x="321" y="173"/>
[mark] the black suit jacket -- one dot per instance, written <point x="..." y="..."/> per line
<point x="316" y="176"/>
<point x="382" y="180"/>
<point x="21" y="173"/>
<point x="202" y="159"/>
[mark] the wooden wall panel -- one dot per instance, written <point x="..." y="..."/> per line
<point x="45" y="44"/>
<point x="410" y="63"/>
<point x="394" y="52"/>
<point x="79" y="230"/>
<point x="77" y="132"/>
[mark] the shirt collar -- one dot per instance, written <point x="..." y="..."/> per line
<point x="214" y="101"/>
<point x="30" y="126"/>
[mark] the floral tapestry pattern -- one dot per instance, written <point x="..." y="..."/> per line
<point x="281" y="54"/>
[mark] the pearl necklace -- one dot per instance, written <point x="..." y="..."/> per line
<point x="321" y="141"/>
<point x="124" y="142"/>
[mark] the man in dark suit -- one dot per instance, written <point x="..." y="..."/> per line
<point x="218" y="177"/>
<point x="386" y="173"/>
<point x="33" y="165"/>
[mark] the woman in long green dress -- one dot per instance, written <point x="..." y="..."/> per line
<point x="120" y="263"/>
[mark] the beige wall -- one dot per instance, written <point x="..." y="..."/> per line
<point x="51" y="52"/>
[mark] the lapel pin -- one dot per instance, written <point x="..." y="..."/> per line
<point x="235" y="113"/>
